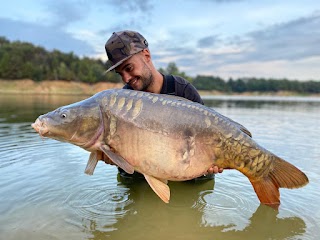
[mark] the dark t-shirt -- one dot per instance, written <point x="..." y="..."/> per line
<point x="182" y="88"/>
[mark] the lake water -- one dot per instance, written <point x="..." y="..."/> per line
<point x="44" y="193"/>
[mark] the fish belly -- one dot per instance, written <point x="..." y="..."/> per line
<point x="165" y="156"/>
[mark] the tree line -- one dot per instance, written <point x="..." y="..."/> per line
<point x="20" y="60"/>
<point x="241" y="85"/>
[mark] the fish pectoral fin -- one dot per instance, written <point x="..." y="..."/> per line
<point x="160" y="187"/>
<point x="92" y="162"/>
<point x="117" y="159"/>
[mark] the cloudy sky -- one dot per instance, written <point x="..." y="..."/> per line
<point x="226" y="38"/>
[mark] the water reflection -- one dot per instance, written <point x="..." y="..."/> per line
<point x="25" y="108"/>
<point x="265" y="224"/>
<point x="147" y="217"/>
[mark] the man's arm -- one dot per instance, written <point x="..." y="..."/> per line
<point x="186" y="90"/>
<point x="192" y="94"/>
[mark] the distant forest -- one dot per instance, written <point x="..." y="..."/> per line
<point x="22" y="60"/>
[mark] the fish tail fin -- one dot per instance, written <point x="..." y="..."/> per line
<point x="282" y="175"/>
<point x="267" y="192"/>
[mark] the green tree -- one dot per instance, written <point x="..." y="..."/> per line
<point x="238" y="85"/>
<point x="202" y="82"/>
<point x="172" y="69"/>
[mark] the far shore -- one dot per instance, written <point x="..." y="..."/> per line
<point x="53" y="87"/>
<point x="59" y="87"/>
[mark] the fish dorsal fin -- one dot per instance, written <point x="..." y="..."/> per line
<point x="240" y="126"/>
<point x="246" y="131"/>
<point x="92" y="162"/>
<point x="117" y="159"/>
<point x="160" y="187"/>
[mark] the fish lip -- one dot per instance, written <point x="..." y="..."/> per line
<point x="40" y="127"/>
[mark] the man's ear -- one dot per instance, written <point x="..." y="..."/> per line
<point x="146" y="54"/>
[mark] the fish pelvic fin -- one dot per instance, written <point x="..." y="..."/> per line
<point x="117" y="159"/>
<point x="92" y="162"/>
<point x="160" y="187"/>
<point x="283" y="175"/>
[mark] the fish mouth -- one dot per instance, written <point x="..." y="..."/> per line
<point x="40" y="127"/>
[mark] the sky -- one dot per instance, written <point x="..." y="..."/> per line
<point x="225" y="38"/>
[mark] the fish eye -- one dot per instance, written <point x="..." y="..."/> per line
<point x="63" y="115"/>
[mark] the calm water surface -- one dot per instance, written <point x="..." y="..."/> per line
<point x="44" y="193"/>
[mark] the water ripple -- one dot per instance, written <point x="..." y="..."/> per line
<point x="97" y="203"/>
<point x="222" y="200"/>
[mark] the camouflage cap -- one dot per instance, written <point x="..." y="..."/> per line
<point x="122" y="45"/>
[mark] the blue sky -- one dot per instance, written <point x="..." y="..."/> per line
<point x="226" y="38"/>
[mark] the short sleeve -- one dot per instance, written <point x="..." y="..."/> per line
<point x="185" y="89"/>
<point x="192" y="94"/>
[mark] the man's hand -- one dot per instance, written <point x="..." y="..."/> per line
<point x="214" y="169"/>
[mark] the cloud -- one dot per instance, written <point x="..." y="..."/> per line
<point x="144" y="6"/>
<point x="207" y="42"/>
<point x="303" y="69"/>
<point x="136" y="14"/>
<point x="289" y="49"/>
<point x="66" y="12"/>
<point x="293" y="40"/>
<point x="53" y="32"/>
<point x="48" y="37"/>
<point x="222" y="1"/>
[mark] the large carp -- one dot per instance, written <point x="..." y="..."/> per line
<point x="167" y="138"/>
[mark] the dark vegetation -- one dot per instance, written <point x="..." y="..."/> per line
<point x="21" y="60"/>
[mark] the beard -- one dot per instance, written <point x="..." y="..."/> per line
<point x="146" y="78"/>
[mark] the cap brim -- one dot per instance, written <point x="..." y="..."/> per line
<point x="117" y="64"/>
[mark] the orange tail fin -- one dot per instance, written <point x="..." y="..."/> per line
<point x="283" y="175"/>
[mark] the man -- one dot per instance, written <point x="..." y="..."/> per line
<point x="130" y="57"/>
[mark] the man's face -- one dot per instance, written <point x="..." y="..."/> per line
<point x="136" y="72"/>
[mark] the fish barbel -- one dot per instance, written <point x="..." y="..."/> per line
<point x="167" y="138"/>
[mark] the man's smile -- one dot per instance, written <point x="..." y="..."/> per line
<point x="133" y="82"/>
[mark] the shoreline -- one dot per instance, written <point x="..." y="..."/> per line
<point x="53" y="87"/>
<point x="60" y="87"/>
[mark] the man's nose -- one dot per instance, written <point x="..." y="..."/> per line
<point x="126" y="77"/>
